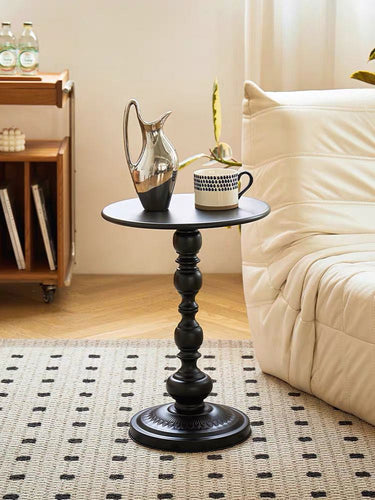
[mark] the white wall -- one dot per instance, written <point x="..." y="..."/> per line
<point x="165" y="53"/>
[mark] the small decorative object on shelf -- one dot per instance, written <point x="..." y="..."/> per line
<point x="154" y="173"/>
<point x="12" y="140"/>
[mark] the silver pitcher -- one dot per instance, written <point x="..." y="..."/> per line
<point x="154" y="173"/>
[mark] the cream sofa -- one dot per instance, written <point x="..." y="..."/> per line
<point x="309" y="267"/>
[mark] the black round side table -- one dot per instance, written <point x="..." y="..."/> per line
<point x="190" y="423"/>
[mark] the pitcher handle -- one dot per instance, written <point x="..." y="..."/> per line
<point x="134" y="103"/>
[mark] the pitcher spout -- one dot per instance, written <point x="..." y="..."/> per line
<point x="162" y="120"/>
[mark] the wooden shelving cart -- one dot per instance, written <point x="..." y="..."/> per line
<point x="52" y="161"/>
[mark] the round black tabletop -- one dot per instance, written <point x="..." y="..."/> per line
<point x="182" y="214"/>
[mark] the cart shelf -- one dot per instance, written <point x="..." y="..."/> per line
<point x="43" y="89"/>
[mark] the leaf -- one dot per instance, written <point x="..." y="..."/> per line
<point x="216" y="110"/>
<point x="231" y="163"/>
<point x="364" y="76"/>
<point x="371" y="57"/>
<point x="191" y="159"/>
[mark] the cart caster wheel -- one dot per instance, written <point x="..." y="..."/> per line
<point x="48" y="292"/>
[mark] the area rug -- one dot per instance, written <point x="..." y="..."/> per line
<point x="65" y="410"/>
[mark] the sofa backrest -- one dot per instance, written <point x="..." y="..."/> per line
<point x="312" y="154"/>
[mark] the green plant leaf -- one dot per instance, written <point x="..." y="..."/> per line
<point x="364" y="76"/>
<point x="229" y="163"/>
<point x="216" y="110"/>
<point x="371" y="57"/>
<point x="191" y="159"/>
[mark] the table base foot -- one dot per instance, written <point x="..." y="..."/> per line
<point x="163" y="428"/>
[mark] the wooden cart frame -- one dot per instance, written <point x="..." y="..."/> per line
<point x="42" y="159"/>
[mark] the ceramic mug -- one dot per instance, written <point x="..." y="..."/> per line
<point x="217" y="188"/>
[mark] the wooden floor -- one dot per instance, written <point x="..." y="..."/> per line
<point x="102" y="306"/>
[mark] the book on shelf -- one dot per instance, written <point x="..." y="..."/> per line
<point x="9" y="214"/>
<point x="44" y="224"/>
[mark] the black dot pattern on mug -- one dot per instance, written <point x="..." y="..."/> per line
<point x="68" y="431"/>
<point x="227" y="182"/>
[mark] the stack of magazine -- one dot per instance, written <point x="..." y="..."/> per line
<point x="44" y="224"/>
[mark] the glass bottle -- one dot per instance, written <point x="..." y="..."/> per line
<point x="28" y="51"/>
<point x="8" y="50"/>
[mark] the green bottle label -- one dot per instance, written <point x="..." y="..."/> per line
<point x="28" y="59"/>
<point x="8" y="59"/>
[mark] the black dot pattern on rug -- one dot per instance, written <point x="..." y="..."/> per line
<point x="164" y="496"/>
<point x="362" y="474"/>
<point x="215" y="475"/>
<point x="67" y="477"/>
<point x="114" y="496"/>
<point x="267" y="494"/>
<point x="318" y="494"/>
<point x="11" y="496"/>
<point x="114" y="477"/>
<point x="216" y="495"/>
<point x="368" y="494"/>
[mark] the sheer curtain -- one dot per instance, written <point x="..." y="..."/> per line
<point x="307" y="44"/>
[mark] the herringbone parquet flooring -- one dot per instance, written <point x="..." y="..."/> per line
<point x="101" y="306"/>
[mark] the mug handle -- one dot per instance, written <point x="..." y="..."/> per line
<point x="245" y="172"/>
